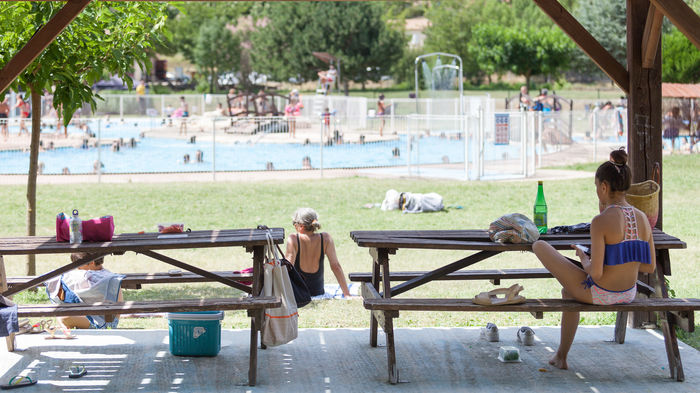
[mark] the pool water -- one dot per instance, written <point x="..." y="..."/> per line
<point x="158" y="155"/>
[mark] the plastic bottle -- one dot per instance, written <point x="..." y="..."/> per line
<point x="540" y="211"/>
<point x="76" y="228"/>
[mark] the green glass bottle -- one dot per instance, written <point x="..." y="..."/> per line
<point x="540" y="213"/>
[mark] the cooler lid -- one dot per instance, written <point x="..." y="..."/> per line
<point x="196" y="316"/>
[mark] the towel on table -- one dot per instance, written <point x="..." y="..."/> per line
<point x="513" y="228"/>
<point x="8" y="317"/>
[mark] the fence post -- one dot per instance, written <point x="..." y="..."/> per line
<point x="392" y="109"/>
<point x="523" y="141"/>
<point x="213" y="150"/>
<point x="480" y="144"/>
<point x="121" y="108"/>
<point x="539" y="138"/>
<point x="99" y="155"/>
<point x="595" y="135"/>
<point x="321" y="146"/>
<point x="408" y="143"/>
<point x="162" y="106"/>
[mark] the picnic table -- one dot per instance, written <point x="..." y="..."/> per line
<point x="379" y="294"/>
<point x="151" y="245"/>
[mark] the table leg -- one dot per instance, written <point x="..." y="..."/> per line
<point x="621" y="326"/>
<point x="258" y="278"/>
<point x="255" y="326"/>
<point x="668" y="327"/>
<point x="372" y="321"/>
<point x="10" y="340"/>
<point x="388" y="325"/>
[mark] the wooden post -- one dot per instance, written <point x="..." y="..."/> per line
<point x="644" y="114"/>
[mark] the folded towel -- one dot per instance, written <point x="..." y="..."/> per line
<point x="8" y="317"/>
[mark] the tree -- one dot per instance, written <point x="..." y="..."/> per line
<point x="216" y="50"/>
<point x="680" y="60"/>
<point x="353" y="32"/>
<point x="525" y="51"/>
<point x="453" y="21"/>
<point x="607" y="22"/>
<point x="106" y="38"/>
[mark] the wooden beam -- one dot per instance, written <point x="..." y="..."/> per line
<point x="39" y="41"/>
<point x="682" y="16"/>
<point x="605" y="61"/>
<point x="652" y="36"/>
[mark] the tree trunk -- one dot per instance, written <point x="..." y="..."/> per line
<point x="347" y="87"/>
<point x="31" y="178"/>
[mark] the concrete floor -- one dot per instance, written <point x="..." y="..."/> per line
<point x="341" y="360"/>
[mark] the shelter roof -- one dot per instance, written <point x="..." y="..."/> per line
<point x="680" y="90"/>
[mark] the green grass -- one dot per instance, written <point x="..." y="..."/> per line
<point x="339" y="202"/>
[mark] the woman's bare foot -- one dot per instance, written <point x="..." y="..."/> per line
<point x="559" y="362"/>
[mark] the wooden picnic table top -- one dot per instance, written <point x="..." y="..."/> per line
<point x="141" y="241"/>
<point x="478" y="239"/>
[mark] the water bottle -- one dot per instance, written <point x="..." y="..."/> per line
<point x="540" y="213"/>
<point x="76" y="228"/>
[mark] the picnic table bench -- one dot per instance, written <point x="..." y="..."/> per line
<point x="149" y="244"/>
<point x="379" y="294"/>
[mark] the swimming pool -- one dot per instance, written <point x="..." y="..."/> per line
<point x="158" y="155"/>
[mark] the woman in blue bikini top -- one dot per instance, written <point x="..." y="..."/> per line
<point x="622" y="245"/>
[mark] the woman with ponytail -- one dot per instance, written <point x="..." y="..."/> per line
<point x="308" y="248"/>
<point x="622" y="245"/>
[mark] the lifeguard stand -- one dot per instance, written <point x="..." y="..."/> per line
<point x="330" y="60"/>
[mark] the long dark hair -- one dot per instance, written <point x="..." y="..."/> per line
<point x="615" y="172"/>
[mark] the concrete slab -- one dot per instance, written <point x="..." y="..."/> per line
<point x="341" y="360"/>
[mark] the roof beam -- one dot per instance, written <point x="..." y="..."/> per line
<point x="652" y="36"/>
<point x="39" y="41"/>
<point x="605" y="61"/>
<point x="682" y="16"/>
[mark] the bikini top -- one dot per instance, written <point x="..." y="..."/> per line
<point x="631" y="249"/>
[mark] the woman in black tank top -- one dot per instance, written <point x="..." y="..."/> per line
<point x="308" y="250"/>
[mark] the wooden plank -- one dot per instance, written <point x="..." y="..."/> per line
<point x="196" y="270"/>
<point x="135" y="280"/>
<point x="652" y="36"/>
<point x="605" y="61"/>
<point x="373" y="329"/>
<point x="183" y="305"/>
<point x="39" y="41"/>
<point x="55" y="273"/>
<point x="682" y="16"/>
<point x="439" y="272"/>
<point x="543" y="305"/>
<point x="140" y="242"/>
<point x="489" y="274"/>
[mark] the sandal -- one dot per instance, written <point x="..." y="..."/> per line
<point x="491" y="298"/>
<point x="77" y="371"/>
<point x="41" y="326"/>
<point x="18" y="381"/>
<point x="53" y="330"/>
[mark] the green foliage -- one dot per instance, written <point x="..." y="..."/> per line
<point x="525" y="51"/>
<point x="186" y="19"/>
<point x="106" y="38"/>
<point x="453" y="22"/>
<point x="607" y="23"/>
<point x="353" y="32"/>
<point x="681" y="59"/>
<point x="216" y="50"/>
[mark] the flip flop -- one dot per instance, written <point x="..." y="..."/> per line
<point x="18" y="381"/>
<point x="508" y="296"/>
<point x="77" y="371"/>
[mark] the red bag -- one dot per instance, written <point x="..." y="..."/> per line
<point x="98" y="229"/>
<point x="95" y="230"/>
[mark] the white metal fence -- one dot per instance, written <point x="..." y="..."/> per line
<point x="437" y="141"/>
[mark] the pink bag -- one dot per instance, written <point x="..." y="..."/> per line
<point x="95" y="230"/>
<point x="98" y="229"/>
<point x="62" y="228"/>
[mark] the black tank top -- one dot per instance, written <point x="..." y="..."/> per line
<point x="314" y="281"/>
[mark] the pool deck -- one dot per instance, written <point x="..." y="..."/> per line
<point x="341" y="360"/>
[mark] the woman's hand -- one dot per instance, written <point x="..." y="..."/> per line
<point x="583" y="257"/>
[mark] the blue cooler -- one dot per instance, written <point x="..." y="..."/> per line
<point x="195" y="333"/>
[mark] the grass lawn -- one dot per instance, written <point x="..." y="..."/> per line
<point x="340" y="203"/>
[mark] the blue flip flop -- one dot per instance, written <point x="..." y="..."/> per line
<point x="77" y="371"/>
<point x="18" y="381"/>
